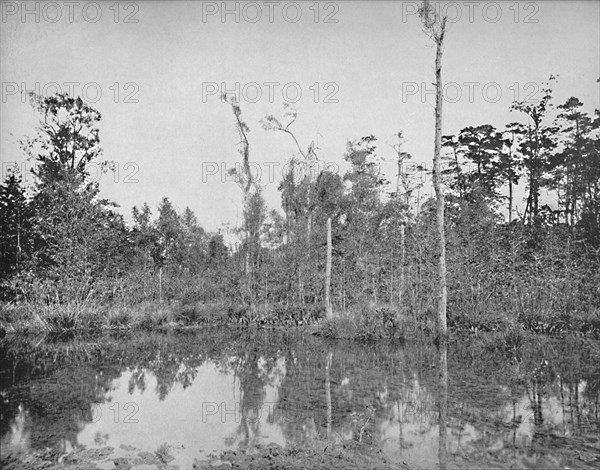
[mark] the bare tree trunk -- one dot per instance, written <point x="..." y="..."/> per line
<point x="536" y="201"/>
<point x="510" y="201"/>
<point x="160" y="284"/>
<point x="442" y="328"/>
<point x="328" y="308"/>
<point x="328" y="393"/>
<point x="458" y="174"/>
<point x="248" y="271"/>
<point x="401" y="157"/>
<point x="435" y="27"/>
<point x="402" y="258"/>
<point x="392" y="280"/>
<point x="527" y="213"/>
<point x="18" y="258"/>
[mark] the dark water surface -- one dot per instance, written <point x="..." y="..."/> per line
<point x="536" y="406"/>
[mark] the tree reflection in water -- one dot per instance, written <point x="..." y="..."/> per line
<point x="482" y="406"/>
<point x="443" y="402"/>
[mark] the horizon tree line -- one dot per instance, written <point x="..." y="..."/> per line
<point x="65" y="242"/>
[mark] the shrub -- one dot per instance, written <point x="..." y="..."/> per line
<point x="363" y="323"/>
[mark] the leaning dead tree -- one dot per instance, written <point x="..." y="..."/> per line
<point x="434" y="26"/>
<point x="246" y="182"/>
<point x="244" y="177"/>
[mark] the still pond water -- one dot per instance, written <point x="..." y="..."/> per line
<point x="535" y="406"/>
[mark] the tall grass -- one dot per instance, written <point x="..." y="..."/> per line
<point x="366" y="322"/>
<point x="73" y="316"/>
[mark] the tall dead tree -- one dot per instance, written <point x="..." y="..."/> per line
<point x="434" y="26"/>
<point x="404" y="197"/>
<point x="246" y="182"/>
<point x="328" y="419"/>
<point x="328" y="307"/>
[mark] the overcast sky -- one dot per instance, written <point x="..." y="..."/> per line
<point x="361" y="68"/>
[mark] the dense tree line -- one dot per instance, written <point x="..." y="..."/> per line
<point x="61" y="242"/>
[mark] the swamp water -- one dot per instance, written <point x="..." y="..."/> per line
<point x="172" y="399"/>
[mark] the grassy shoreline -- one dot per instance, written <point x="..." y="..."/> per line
<point x="82" y="317"/>
<point x="361" y="322"/>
